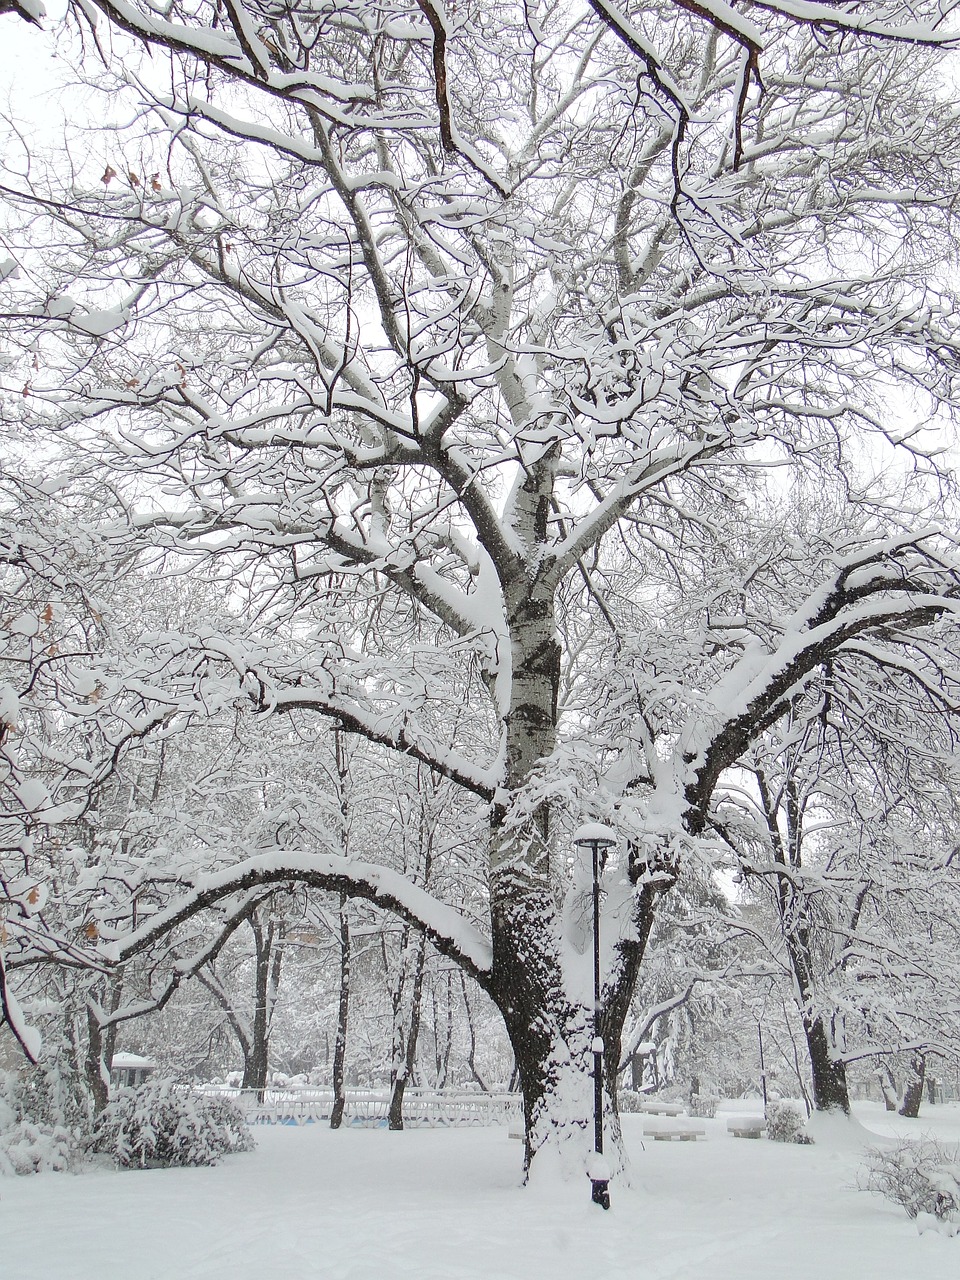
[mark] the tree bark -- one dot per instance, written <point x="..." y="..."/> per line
<point x="830" y="1092"/>
<point x="551" y="1033"/>
<point x="913" y="1090"/>
<point x="96" y="1069"/>
<point x="343" y="1012"/>
<point x="268" y="954"/>
<point x="550" y="1023"/>
<point x="472" y="1033"/>
<point x="442" y="1038"/>
<point x="406" y="1029"/>
<point x="888" y="1087"/>
<point x="342" y="760"/>
<point x="100" y="1048"/>
<point x="829" y="1074"/>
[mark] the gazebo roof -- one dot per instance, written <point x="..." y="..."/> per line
<point x="130" y="1062"/>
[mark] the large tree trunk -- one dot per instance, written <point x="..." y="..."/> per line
<point x="888" y="1087"/>
<point x="542" y="981"/>
<point x="913" y="1090"/>
<point x="256" y="1054"/>
<point x="552" y="1044"/>
<point x="636" y="1072"/>
<point x="96" y="1070"/>
<point x="830" y="1092"/>
<point x="552" y="1032"/>
<point x="829" y="1074"/>
<point x="100" y="1048"/>
<point x="551" y="1039"/>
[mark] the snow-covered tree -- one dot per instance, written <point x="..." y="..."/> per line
<point x="844" y="830"/>
<point x="410" y="326"/>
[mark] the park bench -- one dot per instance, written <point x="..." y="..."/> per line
<point x="656" y="1107"/>
<point x="668" y="1129"/>
<point x="747" y="1126"/>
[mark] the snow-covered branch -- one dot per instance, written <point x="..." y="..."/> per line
<point x="883" y="591"/>
<point x="451" y="934"/>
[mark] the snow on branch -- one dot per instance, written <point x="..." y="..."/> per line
<point x="203" y="676"/>
<point x="451" y="934"/>
<point x="181" y="968"/>
<point x="651" y="472"/>
<point x="452" y="143"/>
<point x="852" y="18"/>
<point x="242" y="54"/>
<point x="386" y="731"/>
<point x="26" y="1036"/>
<point x="723" y="17"/>
<point x="883" y="590"/>
<point x="645" y="1024"/>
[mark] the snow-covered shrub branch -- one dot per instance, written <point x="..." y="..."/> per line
<point x="161" y="1124"/>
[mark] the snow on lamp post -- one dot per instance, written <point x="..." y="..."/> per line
<point x="599" y="840"/>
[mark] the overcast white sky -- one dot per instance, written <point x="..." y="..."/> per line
<point x="29" y="76"/>
<point x="25" y="52"/>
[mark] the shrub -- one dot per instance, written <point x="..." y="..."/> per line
<point x="161" y="1124"/>
<point x="785" y="1122"/>
<point x="32" y="1148"/>
<point x="233" y="1120"/>
<point x="628" y="1100"/>
<point x="703" y="1106"/>
<point x="32" y="1138"/>
<point x="921" y="1175"/>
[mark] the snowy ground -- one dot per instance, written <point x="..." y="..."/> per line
<point x="445" y="1205"/>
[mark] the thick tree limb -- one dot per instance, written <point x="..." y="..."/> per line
<point x="448" y="931"/>
<point x="448" y="136"/>
<point x="893" y="585"/>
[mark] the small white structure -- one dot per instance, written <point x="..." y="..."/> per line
<point x="128" y="1070"/>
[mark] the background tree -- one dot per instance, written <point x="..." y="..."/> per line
<point x="855" y="861"/>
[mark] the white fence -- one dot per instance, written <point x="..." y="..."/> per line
<point x="367" y="1108"/>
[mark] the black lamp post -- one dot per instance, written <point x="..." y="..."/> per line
<point x="599" y="840"/>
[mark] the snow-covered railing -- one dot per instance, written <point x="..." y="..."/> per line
<point x="368" y="1108"/>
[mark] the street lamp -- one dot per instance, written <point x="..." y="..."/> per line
<point x="599" y="840"/>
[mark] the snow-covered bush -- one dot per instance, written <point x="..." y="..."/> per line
<point x="161" y="1123"/>
<point x="232" y="1119"/>
<point x="785" y="1122"/>
<point x="703" y="1105"/>
<point x="922" y="1175"/>
<point x="31" y="1139"/>
<point x="33" y="1148"/>
<point x="628" y="1101"/>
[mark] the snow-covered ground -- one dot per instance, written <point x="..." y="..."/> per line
<point x="445" y="1205"/>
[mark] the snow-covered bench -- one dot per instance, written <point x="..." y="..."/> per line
<point x="654" y="1107"/>
<point x="674" y="1127"/>
<point x="747" y="1126"/>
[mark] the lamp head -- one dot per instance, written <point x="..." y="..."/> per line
<point x="594" y="835"/>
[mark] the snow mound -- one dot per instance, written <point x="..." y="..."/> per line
<point x="837" y="1131"/>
